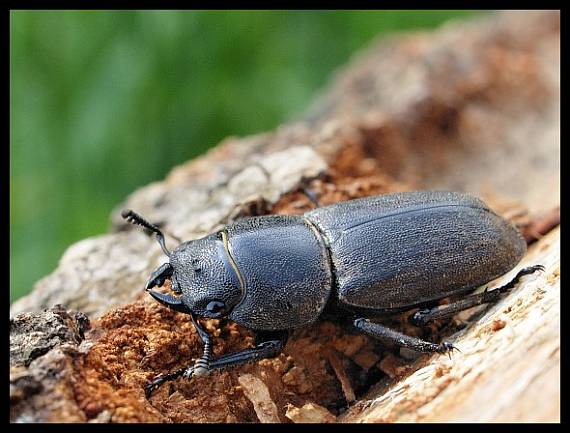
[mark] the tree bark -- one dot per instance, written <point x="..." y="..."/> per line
<point x="473" y="107"/>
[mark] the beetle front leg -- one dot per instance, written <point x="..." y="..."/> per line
<point x="268" y="345"/>
<point x="381" y="332"/>
<point x="200" y="368"/>
<point x="202" y="365"/>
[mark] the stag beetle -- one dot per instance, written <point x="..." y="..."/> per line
<point x="358" y="259"/>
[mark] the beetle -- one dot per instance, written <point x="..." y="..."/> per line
<point x="359" y="260"/>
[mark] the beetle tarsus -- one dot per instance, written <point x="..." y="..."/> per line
<point x="524" y="271"/>
<point x="447" y="348"/>
<point x="381" y="332"/>
<point x="160" y="379"/>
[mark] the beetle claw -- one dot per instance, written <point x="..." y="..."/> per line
<point x="535" y="268"/>
<point x="149" y="388"/>
<point x="447" y="348"/>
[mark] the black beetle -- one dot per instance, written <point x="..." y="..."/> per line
<point x="358" y="259"/>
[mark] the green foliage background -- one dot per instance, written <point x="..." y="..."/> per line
<point x="103" y="102"/>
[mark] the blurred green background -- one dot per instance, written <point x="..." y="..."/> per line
<point x="103" y="102"/>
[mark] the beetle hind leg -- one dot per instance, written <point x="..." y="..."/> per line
<point x="381" y="332"/>
<point x="423" y="317"/>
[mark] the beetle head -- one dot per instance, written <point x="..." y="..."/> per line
<point x="201" y="271"/>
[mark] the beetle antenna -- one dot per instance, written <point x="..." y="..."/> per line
<point x="135" y="218"/>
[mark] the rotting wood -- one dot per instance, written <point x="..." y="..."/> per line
<point x="256" y="391"/>
<point x="309" y="413"/>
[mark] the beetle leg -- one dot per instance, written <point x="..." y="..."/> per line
<point x="170" y="301"/>
<point x="202" y="365"/>
<point x="159" y="380"/>
<point x="310" y="195"/>
<point x="381" y="332"/>
<point x="268" y="345"/>
<point x="200" y="368"/>
<point x="423" y="317"/>
<point x="304" y="187"/>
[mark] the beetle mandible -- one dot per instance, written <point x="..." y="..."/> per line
<point x="359" y="259"/>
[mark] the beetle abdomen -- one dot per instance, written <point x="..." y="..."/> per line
<point x="400" y="250"/>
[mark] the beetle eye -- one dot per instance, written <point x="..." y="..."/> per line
<point x="216" y="307"/>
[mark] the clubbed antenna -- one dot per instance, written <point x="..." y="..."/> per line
<point x="135" y="218"/>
